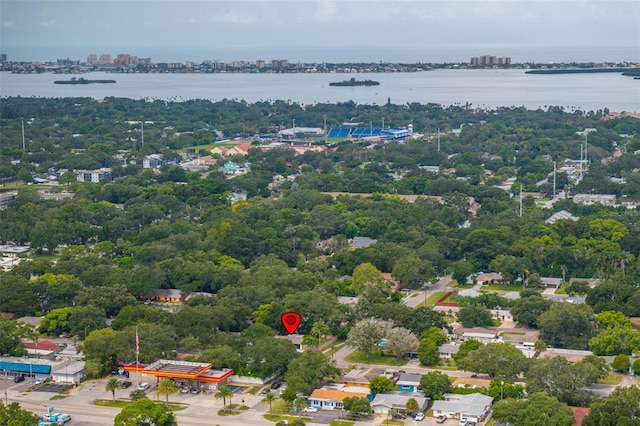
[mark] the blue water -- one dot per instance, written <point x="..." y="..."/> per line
<point x="480" y="88"/>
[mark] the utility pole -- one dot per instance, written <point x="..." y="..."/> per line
<point x="520" y="200"/>
<point x="438" y="139"/>
<point x="24" y="146"/>
<point x="554" y="180"/>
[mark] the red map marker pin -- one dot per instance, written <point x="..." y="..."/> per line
<point x="291" y="321"/>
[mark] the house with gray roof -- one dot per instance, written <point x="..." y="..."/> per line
<point x="409" y="382"/>
<point x="474" y="407"/>
<point x="384" y="403"/>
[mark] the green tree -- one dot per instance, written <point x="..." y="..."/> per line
<point x="112" y="386"/>
<point x="435" y="385"/>
<point x="166" y="387"/>
<point x="614" y="341"/>
<point x="137" y="394"/>
<point x="224" y="393"/>
<point x="56" y="321"/>
<point x="495" y="359"/>
<point x="621" y="408"/>
<point x="636" y="366"/>
<point x="565" y="381"/>
<point x="268" y="399"/>
<point x="461" y="270"/>
<point x="539" y="409"/>
<point x="434" y="334"/>
<point x="428" y="353"/>
<point x="145" y="412"/>
<point x="621" y="363"/>
<point x="357" y="407"/>
<point x="466" y="348"/>
<point x="567" y="325"/>
<point x="412" y="405"/>
<point x="13" y="415"/>
<point x="526" y="310"/>
<point x="367" y="334"/>
<point x="309" y="369"/>
<point x="380" y="384"/>
<point x="400" y="341"/>
<point x="475" y="316"/>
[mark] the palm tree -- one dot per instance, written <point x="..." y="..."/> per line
<point x="223" y="393"/>
<point x="268" y="399"/>
<point x="166" y="387"/>
<point x="412" y="405"/>
<point x="112" y="386"/>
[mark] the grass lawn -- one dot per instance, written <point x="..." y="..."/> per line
<point x="612" y="378"/>
<point x="333" y="349"/>
<point x="121" y="403"/>
<point x="254" y="390"/>
<point x="499" y="287"/>
<point x="274" y="418"/>
<point x="392" y="422"/>
<point x="341" y="423"/>
<point x="431" y="300"/>
<point x="375" y="357"/>
<point x="55" y="397"/>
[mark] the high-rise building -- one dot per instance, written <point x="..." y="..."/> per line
<point x="105" y="59"/>
<point x="260" y="63"/>
<point x="92" y="59"/>
<point x="488" y="61"/>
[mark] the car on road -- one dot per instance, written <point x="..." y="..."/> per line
<point x="419" y="417"/>
<point x="310" y="410"/>
<point x="18" y="379"/>
<point x="125" y="384"/>
<point x="399" y="416"/>
<point x="143" y="386"/>
<point x="266" y="390"/>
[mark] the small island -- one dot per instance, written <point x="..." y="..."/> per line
<point x="354" y="82"/>
<point x="82" y="81"/>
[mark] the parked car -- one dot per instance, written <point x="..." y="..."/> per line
<point x="18" y="379"/>
<point x="125" y="384"/>
<point x="419" y="417"/>
<point x="399" y="416"/>
<point x="276" y="385"/>
<point x="310" y="410"/>
<point x="441" y="418"/>
<point x="265" y="390"/>
<point x="64" y="417"/>
<point x="464" y="422"/>
<point x="143" y="386"/>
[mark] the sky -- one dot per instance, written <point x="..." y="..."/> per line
<point x="63" y="28"/>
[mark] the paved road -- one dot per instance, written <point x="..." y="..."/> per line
<point x="422" y="295"/>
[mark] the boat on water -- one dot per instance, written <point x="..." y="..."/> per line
<point x="82" y="81"/>
<point x="354" y="82"/>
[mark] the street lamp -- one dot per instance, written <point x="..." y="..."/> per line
<point x="85" y="332"/>
<point x="501" y="389"/>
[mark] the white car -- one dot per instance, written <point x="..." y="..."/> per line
<point x="419" y="417"/>
<point x="310" y="410"/>
<point x="143" y="386"/>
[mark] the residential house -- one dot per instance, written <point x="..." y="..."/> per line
<point x="604" y="199"/>
<point x="474" y="407"/>
<point x="219" y="150"/>
<point x="448" y="350"/>
<point x="550" y="282"/>
<point x="170" y="295"/>
<point x="561" y="215"/>
<point x="360" y="377"/>
<point x="489" y="278"/>
<point x="152" y="161"/>
<point x="409" y="382"/>
<point x="331" y="399"/>
<point x="242" y="149"/>
<point x="384" y="403"/>
<point x="296" y="339"/>
<point x="484" y="335"/>
<point x="94" y="176"/>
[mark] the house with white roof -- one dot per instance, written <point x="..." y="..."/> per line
<point x="475" y="407"/>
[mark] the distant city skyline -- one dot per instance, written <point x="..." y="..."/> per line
<point x="176" y="30"/>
